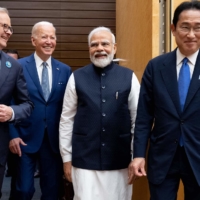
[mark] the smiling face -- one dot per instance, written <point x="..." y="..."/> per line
<point x="187" y="32"/>
<point x="4" y="36"/>
<point x="44" y="41"/>
<point x="102" y="49"/>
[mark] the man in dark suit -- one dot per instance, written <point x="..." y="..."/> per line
<point x="12" y="84"/>
<point x="169" y="113"/>
<point x="46" y="82"/>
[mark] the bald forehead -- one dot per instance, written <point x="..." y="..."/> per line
<point x="4" y="15"/>
<point x="45" y="26"/>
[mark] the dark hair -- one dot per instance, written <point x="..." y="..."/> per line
<point x="194" y="5"/>
<point x="13" y="51"/>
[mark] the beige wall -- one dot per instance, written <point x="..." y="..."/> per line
<point x="137" y="30"/>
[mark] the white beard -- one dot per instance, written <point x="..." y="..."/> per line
<point x="102" y="62"/>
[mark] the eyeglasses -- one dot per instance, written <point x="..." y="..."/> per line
<point x="187" y="29"/>
<point x="6" y="28"/>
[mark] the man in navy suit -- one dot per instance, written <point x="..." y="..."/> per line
<point x="40" y="131"/>
<point x="12" y="84"/>
<point x="171" y="125"/>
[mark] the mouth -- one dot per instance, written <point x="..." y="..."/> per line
<point x="190" y="42"/>
<point x="48" y="47"/>
<point x="4" y="38"/>
<point x="100" y="55"/>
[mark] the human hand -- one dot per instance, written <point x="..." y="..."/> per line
<point x="136" y="169"/>
<point x="14" y="146"/>
<point x="67" y="167"/>
<point x="6" y="113"/>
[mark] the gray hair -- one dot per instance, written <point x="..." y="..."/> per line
<point x="37" y="25"/>
<point x="98" y="29"/>
<point x="4" y="10"/>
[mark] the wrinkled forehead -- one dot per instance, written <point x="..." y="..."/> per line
<point x="101" y="36"/>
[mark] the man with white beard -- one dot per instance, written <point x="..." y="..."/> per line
<point x="97" y="123"/>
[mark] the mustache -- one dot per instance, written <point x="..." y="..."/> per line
<point x="100" y="53"/>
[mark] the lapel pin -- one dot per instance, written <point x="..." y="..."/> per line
<point x="8" y="64"/>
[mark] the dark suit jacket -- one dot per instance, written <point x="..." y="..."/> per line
<point x="45" y="114"/>
<point x="12" y="84"/>
<point x="159" y="104"/>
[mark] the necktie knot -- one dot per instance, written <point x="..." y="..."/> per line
<point x="185" y="60"/>
<point x="44" y="64"/>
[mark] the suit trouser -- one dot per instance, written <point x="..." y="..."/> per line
<point x="50" y="173"/>
<point x="180" y="170"/>
<point x="2" y="171"/>
<point x="3" y="157"/>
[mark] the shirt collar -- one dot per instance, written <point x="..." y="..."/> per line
<point x="192" y="58"/>
<point x="39" y="61"/>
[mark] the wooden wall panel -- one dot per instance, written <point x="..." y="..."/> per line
<point x="137" y="32"/>
<point x="73" y="20"/>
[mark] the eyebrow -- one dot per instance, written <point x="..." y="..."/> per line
<point x="93" y="42"/>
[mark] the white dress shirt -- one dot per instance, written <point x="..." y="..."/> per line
<point x="191" y="61"/>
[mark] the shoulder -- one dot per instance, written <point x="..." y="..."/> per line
<point x="24" y="60"/>
<point x="61" y="64"/>
<point x="122" y="68"/>
<point x="86" y="68"/>
<point x="9" y="61"/>
<point x="164" y="57"/>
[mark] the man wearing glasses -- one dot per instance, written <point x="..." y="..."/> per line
<point x="12" y="85"/>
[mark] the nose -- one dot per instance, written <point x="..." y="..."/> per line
<point x="8" y="32"/>
<point x="191" y="33"/>
<point x="99" y="47"/>
<point x="48" y="40"/>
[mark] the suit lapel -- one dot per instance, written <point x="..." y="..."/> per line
<point x="4" y="70"/>
<point x="55" y="75"/>
<point x="195" y="82"/>
<point x="169" y="75"/>
<point x="32" y="70"/>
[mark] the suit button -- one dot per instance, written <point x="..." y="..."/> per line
<point x="103" y="129"/>
<point x="103" y="87"/>
<point x="103" y="144"/>
<point x="103" y="100"/>
<point x="103" y="114"/>
<point x="103" y="74"/>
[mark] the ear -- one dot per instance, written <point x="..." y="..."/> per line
<point x="115" y="48"/>
<point x="33" y="41"/>
<point x="173" y="29"/>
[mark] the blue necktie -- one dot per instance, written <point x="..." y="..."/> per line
<point x="45" y="81"/>
<point x="183" y="85"/>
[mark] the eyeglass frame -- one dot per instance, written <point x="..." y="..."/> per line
<point x="187" y="29"/>
<point x="6" y="28"/>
